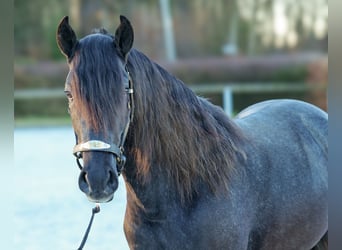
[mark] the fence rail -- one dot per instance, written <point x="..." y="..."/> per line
<point x="23" y="94"/>
<point x="227" y="90"/>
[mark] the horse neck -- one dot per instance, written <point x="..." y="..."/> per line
<point x="153" y="198"/>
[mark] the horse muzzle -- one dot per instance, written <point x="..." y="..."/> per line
<point x="94" y="191"/>
<point x="98" y="178"/>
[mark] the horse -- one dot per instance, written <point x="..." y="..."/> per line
<point x="195" y="178"/>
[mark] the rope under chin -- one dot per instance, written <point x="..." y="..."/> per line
<point x="95" y="210"/>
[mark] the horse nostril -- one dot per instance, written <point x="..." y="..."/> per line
<point x="112" y="180"/>
<point x="83" y="182"/>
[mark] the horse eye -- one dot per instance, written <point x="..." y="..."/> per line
<point x="68" y="95"/>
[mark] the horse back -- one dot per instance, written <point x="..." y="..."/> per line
<point x="295" y="127"/>
<point x="286" y="124"/>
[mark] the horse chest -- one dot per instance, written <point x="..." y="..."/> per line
<point x="143" y="233"/>
<point x="208" y="226"/>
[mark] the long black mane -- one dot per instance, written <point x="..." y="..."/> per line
<point x="176" y="130"/>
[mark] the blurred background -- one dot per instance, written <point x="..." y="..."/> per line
<point x="274" y="48"/>
<point x="235" y="53"/>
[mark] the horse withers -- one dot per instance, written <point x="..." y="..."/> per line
<point x="195" y="178"/>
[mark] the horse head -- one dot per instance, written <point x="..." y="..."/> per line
<point x="99" y="92"/>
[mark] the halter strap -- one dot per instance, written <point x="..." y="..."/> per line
<point x="98" y="145"/>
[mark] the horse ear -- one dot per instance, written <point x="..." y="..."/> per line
<point x="124" y="37"/>
<point x="66" y="38"/>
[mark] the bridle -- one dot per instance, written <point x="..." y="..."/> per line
<point x="116" y="150"/>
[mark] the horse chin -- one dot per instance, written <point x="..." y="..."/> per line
<point x="100" y="199"/>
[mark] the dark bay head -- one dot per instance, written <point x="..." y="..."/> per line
<point x="96" y="87"/>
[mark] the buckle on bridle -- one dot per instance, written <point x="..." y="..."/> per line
<point x="120" y="163"/>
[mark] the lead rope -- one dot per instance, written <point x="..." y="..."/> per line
<point x="95" y="210"/>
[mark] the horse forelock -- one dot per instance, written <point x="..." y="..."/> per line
<point x="98" y="80"/>
<point x="186" y="136"/>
